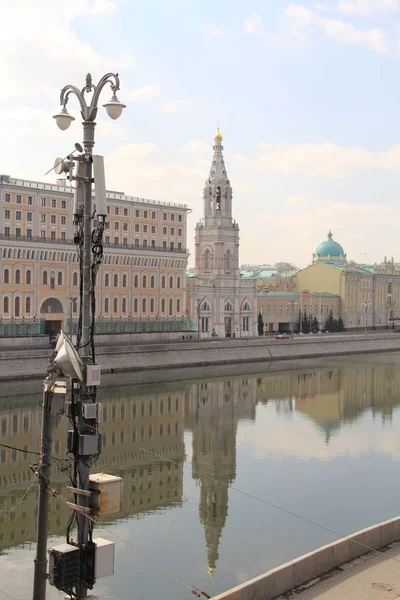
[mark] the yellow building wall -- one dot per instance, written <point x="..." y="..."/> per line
<point x="319" y="278"/>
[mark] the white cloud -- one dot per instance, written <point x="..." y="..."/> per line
<point x="145" y="170"/>
<point x="325" y="160"/>
<point x="296" y="200"/>
<point x="213" y="30"/>
<point x="147" y="91"/>
<point x="199" y="146"/>
<point x="375" y="39"/>
<point x="299" y="21"/>
<point x="367" y="7"/>
<point x="170" y="107"/>
<point x="32" y="69"/>
<point x="254" y="24"/>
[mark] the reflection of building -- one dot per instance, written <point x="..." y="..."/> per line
<point x="330" y="397"/>
<point x="130" y="426"/>
<point x="221" y="302"/>
<point x="213" y="413"/>
<point x="143" y="274"/>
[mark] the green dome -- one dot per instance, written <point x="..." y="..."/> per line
<point x="329" y="248"/>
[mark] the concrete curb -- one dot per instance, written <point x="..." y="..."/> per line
<point x="300" y="571"/>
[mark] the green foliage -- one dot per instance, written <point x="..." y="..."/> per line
<point x="260" y="324"/>
<point x="333" y="324"/>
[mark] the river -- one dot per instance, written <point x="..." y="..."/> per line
<point x="210" y="466"/>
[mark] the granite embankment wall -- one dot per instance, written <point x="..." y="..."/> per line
<point x="310" y="566"/>
<point x="30" y="363"/>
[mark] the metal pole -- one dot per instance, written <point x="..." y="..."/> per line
<point x="309" y="316"/>
<point x="320" y="312"/>
<point x="40" y="569"/>
<point x="198" y="320"/>
<point x="301" y="311"/>
<point x="83" y="465"/>
<point x="71" y="300"/>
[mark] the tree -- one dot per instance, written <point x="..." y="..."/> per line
<point x="330" y="324"/>
<point x="305" y="322"/>
<point x="260" y="324"/>
<point x="340" y="324"/>
<point x="315" y="325"/>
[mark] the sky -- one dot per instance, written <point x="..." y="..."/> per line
<point x="307" y="95"/>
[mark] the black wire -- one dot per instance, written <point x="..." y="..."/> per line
<point x="20" y="450"/>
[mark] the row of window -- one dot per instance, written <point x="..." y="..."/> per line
<point x="53" y="202"/>
<point x="17" y="306"/>
<point x="144" y="305"/>
<point x="56" y="203"/>
<point x="18" y="280"/>
<point x="28" y="233"/>
<point x="144" y="215"/>
<point x="144" y="281"/>
<point x="317" y="309"/>
<point x="29" y="215"/>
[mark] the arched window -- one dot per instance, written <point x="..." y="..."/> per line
<point x="207" y="260"/>
<point x="28" y="277"/>
<point x="170" y="306"/>
<point x="115" y="280"/>
<point x="44" y="277"/>
<point x="152" y="281"/>
<point x="6" y="276"/>
<point x="171" y="282"/>
<point x="17" y="276"/>
<point x="75" y="305"/>
<point x="178" y="306"/>
<point x="6" y="306"/>
<point x="124" y="305"/>
<point x="75" y="278"/>
<point x="144" y="305"/>
<point x="136" y="281"/>
<point x="163" y="305"/>
<point x="152" y="305"/>
<point x="106" y="280"/>
<point x="59" y="278"/>
<point x="28" y="305"/>
<point x="106" y="305"/>
<point x="178" y="283"/>
<point x="17" y="307"/>
<point x="144" y="281"/>
<point x="124" y="281"/>
<point x="115" y="305"/>
<point x="135" y="305"/>
<point x="163" y="282"/>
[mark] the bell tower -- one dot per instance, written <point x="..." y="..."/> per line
<point x="217" y="234"/>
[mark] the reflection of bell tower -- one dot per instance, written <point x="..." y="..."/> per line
<point x="214" y="459"/>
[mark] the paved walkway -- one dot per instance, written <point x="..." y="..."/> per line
<point x="372" y="577"/>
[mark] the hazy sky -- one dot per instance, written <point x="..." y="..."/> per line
<point x="307" y="94"/>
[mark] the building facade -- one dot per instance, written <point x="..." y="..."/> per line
<point x="369" y="294"/>
<point x="221" y="303"/>
<point x="142" y="277"/>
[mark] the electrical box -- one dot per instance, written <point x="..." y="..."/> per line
<point x="93" y="374"/>
<point x="58" y="399"/>
<point x="89" y="410"/>
<point x="104" y="558"/>
<point x="64" y="565"/>
<point x="108" y="493"/>
<point x="89" y="444"/>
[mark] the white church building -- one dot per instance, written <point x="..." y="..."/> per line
<point x="221" y="303"/>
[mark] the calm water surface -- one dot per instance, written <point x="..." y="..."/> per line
<point x="321" y="442"/>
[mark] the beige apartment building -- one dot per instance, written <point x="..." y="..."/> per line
<point x="140" y="285"/>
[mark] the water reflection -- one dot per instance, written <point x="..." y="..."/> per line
<point x="144" y="425"/>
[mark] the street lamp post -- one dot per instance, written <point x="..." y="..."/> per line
<point x="83" y="222"/>
<point x="365" y="306"/>
<point x="199" y="302"/>
<point x="292" y="305"/>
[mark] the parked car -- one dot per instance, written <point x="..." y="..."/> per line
<point x="282" y="336"/>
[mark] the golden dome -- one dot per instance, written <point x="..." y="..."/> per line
<point x="218" y="135"/>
